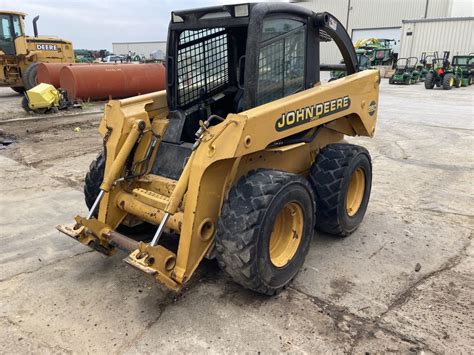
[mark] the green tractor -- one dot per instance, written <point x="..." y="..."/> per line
<point x="362" y="60"/>
<point x="425" y="63"/>
<point x="379" y="50"/>
<point x="442" y="74"/>
<point x="405" y="71"/>
<point x="464" y="68"/>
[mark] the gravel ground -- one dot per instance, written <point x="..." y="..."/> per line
<point x="402" y="282"/>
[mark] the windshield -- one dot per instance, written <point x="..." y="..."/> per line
<point x="6" y="35"/>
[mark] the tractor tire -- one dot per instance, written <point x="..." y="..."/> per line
<point x="448" y="81"/>
<point x="265" y="229"/>
<point x="29" y="76"/>
<point x="342" y="179"/>
<point x="18" y="89"/>
<point x="93" y="179"/>
<point x="429" y="81"/>
<point x="390" y="80"/>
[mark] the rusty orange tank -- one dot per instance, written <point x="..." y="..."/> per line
<point x="103" y="81"/>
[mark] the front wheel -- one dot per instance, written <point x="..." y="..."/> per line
<point x="265" y="228"/>
<point x="342" y="179"/>
<point x="93" y="179"/>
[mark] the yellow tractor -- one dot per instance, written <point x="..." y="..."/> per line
<point x="241" y="157"/>
<point x="19" y="54"/>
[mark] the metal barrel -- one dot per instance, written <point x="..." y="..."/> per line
<point x="48" y="73"/>
<point x="103" y="81"/>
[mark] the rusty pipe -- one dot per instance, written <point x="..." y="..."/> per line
<point x="121" y="241"/>
<point x="103" y="81"/>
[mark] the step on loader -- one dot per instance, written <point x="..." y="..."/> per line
<point x="241" y="157"/>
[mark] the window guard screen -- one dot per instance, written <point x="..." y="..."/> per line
<point x="202" y="63"/>
<point x="281" y="67"/>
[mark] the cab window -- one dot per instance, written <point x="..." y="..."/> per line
<point x="16" y="26"/>
<point x="281" y="65"/>
<point x="5" y="28"/>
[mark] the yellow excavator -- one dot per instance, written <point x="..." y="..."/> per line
<point x="242" y="155"/>
<point x="19" y="53"/>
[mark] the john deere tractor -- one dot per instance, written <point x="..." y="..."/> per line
<point x="241" y="157"/>
<point x="19" y="54"/>
<point x="362" y="60"/>
<point x="426" y="62"/>
<point x="464" y="69"/>
<point x="379" y="50"/>
<point x="405" y="72"/>
<point x="442" y="74"/>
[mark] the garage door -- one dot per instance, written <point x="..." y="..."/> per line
<point x="388" y="33"/>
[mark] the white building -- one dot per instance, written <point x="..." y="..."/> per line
<point x="385" y="19"/>
<point x="143" y="49"/>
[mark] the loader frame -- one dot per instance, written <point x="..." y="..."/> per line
<point x="284" y="134"/>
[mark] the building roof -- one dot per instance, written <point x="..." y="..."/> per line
<point x="439" y="19"/>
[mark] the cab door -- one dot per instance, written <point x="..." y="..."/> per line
<point x="7" y="40"/>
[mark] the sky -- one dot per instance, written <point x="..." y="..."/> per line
<point x="96" y="24"/>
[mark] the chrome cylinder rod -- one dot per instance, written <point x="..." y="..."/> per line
<point x="156" y="237"/>
<point x="96" y="203"/>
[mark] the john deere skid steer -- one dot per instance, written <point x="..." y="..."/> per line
<point x="241" y="157"/>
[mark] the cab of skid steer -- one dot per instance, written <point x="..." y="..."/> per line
<point x="228" y="59"/>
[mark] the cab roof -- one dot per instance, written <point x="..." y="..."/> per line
<point x="12" y="13"/>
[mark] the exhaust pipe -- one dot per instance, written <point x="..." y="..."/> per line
<point x="35" y="27"/>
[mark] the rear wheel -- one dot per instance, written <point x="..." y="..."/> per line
<point x="448" y="81"/>
<point x="265" y="229"/>
<point x="29" y="76"/>
<point x="93" y="179"/>
<point x="429" y="81"/>
<point x="342" y="178"/>
<point x="390" y="81"/>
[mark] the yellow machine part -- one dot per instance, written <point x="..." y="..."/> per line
<point x="43" y="96"/>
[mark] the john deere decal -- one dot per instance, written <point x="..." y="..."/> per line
<point x="310" y="113"/>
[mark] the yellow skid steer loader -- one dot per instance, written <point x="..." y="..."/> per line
<point x="241" y="157"/>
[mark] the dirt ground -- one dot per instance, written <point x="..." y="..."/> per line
<point x="403" y="282"/>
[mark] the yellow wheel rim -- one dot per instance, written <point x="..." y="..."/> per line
<point x="355" y="192"/>
<point x="286" y="234"/>
<point x="451" y="82"/>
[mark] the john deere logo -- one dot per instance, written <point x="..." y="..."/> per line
<point x="46" y="47"/>
<point x="372" y="108"/>
<point x="306" y="114"/>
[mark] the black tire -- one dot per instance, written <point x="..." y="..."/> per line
<point x="24" y="104"/>
<point x="29" y="76"/>
<point x="457" y="82"/>
<point x="330" y="176"/>
<point x="390" y="81"/>
<point x="93" y="179"/>
<point x="448" y="81"/>
<point x="248" y="216"/>
<point x="407" y="81"/>
<point x="429" y="81"/>
<point x="18" y="89"/>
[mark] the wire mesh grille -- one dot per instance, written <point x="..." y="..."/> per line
<point x="202" y="63"/>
